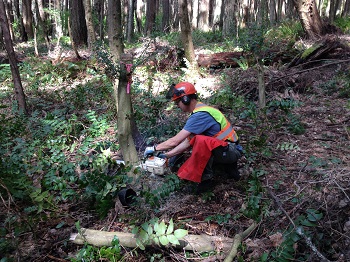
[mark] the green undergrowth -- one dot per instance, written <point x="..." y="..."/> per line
<point x="63" y="153"/>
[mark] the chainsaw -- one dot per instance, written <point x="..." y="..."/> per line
<point x="154" y="165"/>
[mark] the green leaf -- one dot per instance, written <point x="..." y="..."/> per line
<point x="163" y="240"/>
<point x="314" y="215"/>
<point x="170" y="227"/>
<point x="161" y="229"/>
<point x="173" y="240"/>
<point x="180" y="233"/>
<point x="145" y="226"/>
<point x="144" y="236"/>
<point x="155" y="227"/>
<point x="140" y="244"/>
<point x="156" y="240"/>
<point x="150" y="230"/>
<point x="308" y="223"/>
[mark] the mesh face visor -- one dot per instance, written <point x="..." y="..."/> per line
<point x="177" y="93"/>
<point x="170" y="92"/>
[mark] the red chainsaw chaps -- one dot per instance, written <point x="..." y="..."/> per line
<point x="194" y="166"/>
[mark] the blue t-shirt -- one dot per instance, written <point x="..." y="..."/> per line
<point x="202" y="123"/>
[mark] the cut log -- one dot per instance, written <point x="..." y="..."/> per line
<point x="197" y="243"/>
<point x="224" y="59"/>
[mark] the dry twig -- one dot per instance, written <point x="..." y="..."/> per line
<point x="298" y="229"/>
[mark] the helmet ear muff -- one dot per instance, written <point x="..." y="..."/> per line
<point x="186" y="100"/>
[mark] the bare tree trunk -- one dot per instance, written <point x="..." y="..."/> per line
<point x="8" y="7"/>
<point x="273" y="13"/>
<point x="166" y="17"/>
<point x="58" y="29"/>
<point x="122" y="84"/>
<point x="23" y="33"/>
<point x="20" y="96"/>
<point x="346" y="10"/>
<point x="139" y="15"/>
<point x="99" y="11"/>
<point x="42" y="22"/>
<point x="176" y="17"/>
<point x="114" y="31"/>
<point x="186" y="36"/>
<point x="203" y="16"/>
<point x="130" y="31"/>
<point x="229" y="23"/>
<point x="89" y="24"/>
<point x="309" y="17"/>
<point x="28" y="18"/>
<point x="150" y="17"/>
<point x="77" y="23"/>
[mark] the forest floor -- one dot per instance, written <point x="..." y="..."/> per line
<point x="308" y="175"/>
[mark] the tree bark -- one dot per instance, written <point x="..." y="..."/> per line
<point x="91" y="39"/>
<point x="229" y="20"/>
<point x="150" y="17"/>
<point x="42" y="22"/>
<point x="125" y="119"/>
<point x="166" y="16"/>
<point x="99" y="11"/>
<point x="114" y="30"/>
<point x="20" y="96"/>
<point x="23" y="33"/>
<point x="186" y="35"/>
<point x="310" y="18"/>
<point x="122" y="92"/>
<point x="130" y="31"/>
<point x="77" y="23"/>
<point x="203" y="15"/>
<point x="28" y="18"/>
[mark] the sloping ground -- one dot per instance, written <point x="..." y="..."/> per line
<point x="303" y="178"/>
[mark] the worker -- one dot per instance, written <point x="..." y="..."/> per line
<point x="208" y="133"/>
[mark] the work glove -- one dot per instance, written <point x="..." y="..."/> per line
<point x="149" y="151"/>
<point x="239" y="148"/>
<point x="162" y="155"/>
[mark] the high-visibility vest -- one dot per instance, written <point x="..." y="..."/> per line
<point x="226" y="130"/>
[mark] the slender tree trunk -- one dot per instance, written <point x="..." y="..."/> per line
<point x="176" y="17"/>
<point x="23" y="33"/>
<point x="150" y="17"/>
<point x="140" y="8"/>
<point x="203" y="16"/>
<point x="58" y="29"/>
<point x="89" y="24"/>
<point x="42" y="22"/>
<point x="78" y="27"/>
<point x="346" y="10"/>
<point x="309" y="17"/>
<point x="273" y="13"/>
<point x="186" y="36"/>
<point x="122" y="84"/>
<point x="229" y="23"/>
<point x="8" y="7"/>
<point x="114" y="31"/>
<point x="130" y="31"/>
<point x="28" y="18"/>
<point x="99" y="11"/>
<point x="166" y="16"/>
<point x="20" y="96"/>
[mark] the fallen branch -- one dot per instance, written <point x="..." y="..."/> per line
<point x="237" y="241"/>
<point x="298" y="229"/>
<point x="197" y="243"/>
<point x="309" y="69"/>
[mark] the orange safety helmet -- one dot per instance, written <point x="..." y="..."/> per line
<point x="183" y="89"/>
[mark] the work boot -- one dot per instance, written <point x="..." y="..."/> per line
<point x="205" y="186"/>
<point x="232" y="172"/>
